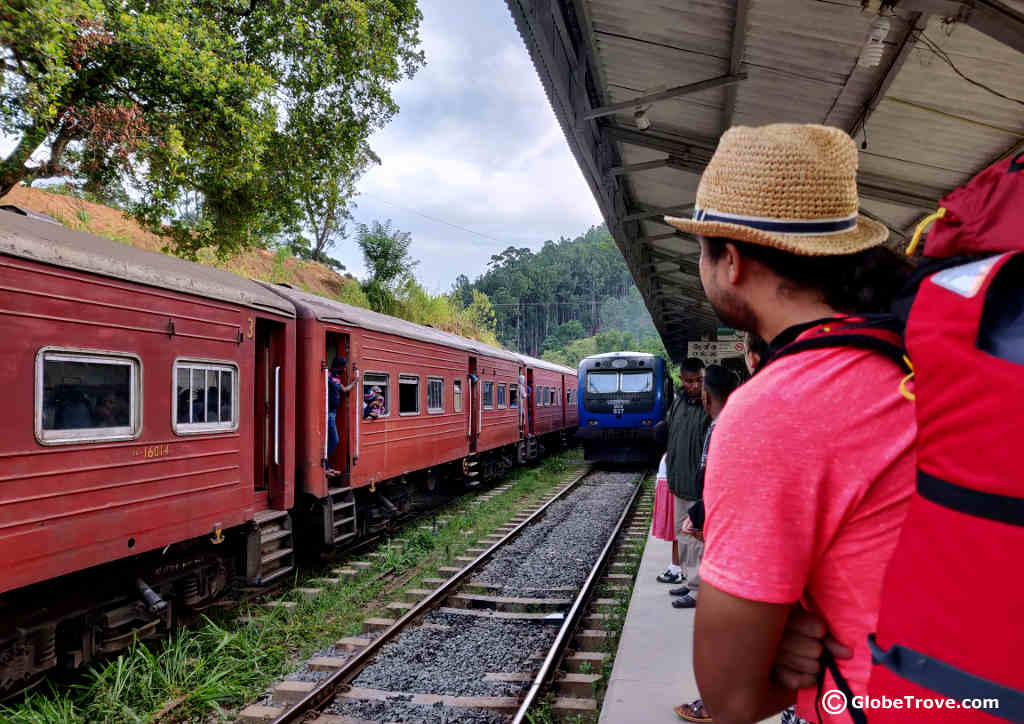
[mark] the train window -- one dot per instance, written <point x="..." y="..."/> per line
<point x="457" y="395"/>
<point x="435" y="394"/>
<point x="540" y="397"/>
<point x="602" y="382"/>
<point x="637" y="381"/>
<point x="82" y="397"/>
<point x="205" y="396"/>
<point x="552" y="396"/>
<point x="513" y="396"/>
<point x="376" y="402"/>
<point x="408" y="395"/>
<point x="502" y="397"/>
<point x="488" y="395"/>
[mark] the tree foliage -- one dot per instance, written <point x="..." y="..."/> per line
<point x="388" y="262"/>
<point x="535" y="293"/>
<point x="225" y="119"/>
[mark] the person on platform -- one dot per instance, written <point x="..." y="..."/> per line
<point x="663" y="520"/>
<point x="716" y="387"/>
<point x="756" y="354"/>
<point x="687" y="422"/>
<point x="335" y="389"/>
<point x="807" y="511"/>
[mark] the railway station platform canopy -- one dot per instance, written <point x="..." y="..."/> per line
<point x="644" y="89"/>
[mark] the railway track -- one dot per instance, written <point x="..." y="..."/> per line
<point x="490" y="643"/>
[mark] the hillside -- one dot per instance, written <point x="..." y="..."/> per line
<point x="257" y="264"/>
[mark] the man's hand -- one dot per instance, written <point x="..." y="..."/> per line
<point x="803" y="641"/>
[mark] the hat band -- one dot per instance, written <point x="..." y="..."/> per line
<point x="806" y="227"/>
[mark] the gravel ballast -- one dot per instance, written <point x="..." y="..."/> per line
<point x="559" y="550"/>
<point x="396" y="709"/>
<point x="556" y="552"/>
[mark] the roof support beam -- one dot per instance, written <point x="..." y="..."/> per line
<point x="739" y="46"/>
<point x="991" y="17"/>
<point x="879" y="188"/>
<point x="677" y="91"/>
<point x="915" y="22"/>
<point x="653" y="213"/>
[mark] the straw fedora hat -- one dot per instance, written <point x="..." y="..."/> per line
<point x="786" y="185"/>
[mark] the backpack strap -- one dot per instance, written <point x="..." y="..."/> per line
<point x="938" y="676"/>
<point x="880" y="333"/>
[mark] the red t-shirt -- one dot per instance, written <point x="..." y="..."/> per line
<point x="809" y="474"/>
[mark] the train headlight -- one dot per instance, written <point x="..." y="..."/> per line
<point x="591" y="422"/>
<point x="645" y="422"/>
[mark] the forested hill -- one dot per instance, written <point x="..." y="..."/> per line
<point x="572" y="298"/>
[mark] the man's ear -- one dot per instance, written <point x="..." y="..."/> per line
<point x="734" y="263"/>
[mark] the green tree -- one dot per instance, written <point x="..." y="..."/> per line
<point x="220" y="116"/>
<point x="389" y="263"/>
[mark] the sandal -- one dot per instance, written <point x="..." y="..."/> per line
<point x="694" y="711"/>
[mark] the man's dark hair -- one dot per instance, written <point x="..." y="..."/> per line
<point x="693" y="364"/>
<point x="339" y="363"/>
<point x="720" y="382"/>
<point x="757" y="346"/>
<point x="868" y="281"/>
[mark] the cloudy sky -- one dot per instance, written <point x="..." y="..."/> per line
<point x="475" y="145"/>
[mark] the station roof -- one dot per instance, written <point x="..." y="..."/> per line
<point x="698" y="67"/>
<point x="311" y="306"/>
<point x="52" y="243"/>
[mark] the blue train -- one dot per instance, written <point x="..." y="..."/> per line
<point x="621" y="397"/>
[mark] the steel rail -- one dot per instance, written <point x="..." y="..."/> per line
<point x="548" y="668"/>
<point x="324" y="693"/>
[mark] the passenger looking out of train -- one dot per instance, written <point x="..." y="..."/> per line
<point x="335" y="389"/>
<point x="687" y="422"/>
<point x="374" y="404"/>
<point x="804" y="510"/>
<point x="717" y="385"/>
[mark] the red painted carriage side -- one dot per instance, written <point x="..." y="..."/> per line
<point x="549" y="416"/>
<point x="420" y="437"/>
<point x="501" y="423"/>
<point x="67" y="506"/>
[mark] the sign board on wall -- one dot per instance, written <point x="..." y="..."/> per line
<point x="707" y="352"/>
<point x="732" y="348"/>
<point x="712" y="353"/>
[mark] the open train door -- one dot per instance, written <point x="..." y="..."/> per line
<point x="340" y="458"/>
<point x="474" y="405"/>
<point x="268" y="468"/>
<point x="531" y="401"/>
<point x="565" y="401"/>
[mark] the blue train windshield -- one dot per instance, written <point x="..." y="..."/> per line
<point x="637" y="382"/>
<point x="602" y="382"/>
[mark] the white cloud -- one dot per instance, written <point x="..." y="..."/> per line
<point x="475" y="144"/>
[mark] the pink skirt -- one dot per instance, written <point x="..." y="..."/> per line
<point x="664" y="521"/>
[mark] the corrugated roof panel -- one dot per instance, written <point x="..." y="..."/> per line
<point x="704" y="27"/>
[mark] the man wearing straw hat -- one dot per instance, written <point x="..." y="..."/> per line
<point x="811" y="466"/>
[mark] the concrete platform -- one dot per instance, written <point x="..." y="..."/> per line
<point x="653" y="669"/>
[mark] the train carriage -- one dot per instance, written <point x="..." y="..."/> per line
<point x="147" y="397"/>
<point x="451" y="409"/>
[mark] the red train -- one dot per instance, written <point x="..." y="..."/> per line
<point x="168" y="433"/>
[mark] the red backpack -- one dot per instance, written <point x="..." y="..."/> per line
<point x="951" y="622"/>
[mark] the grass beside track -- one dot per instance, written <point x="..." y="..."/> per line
<point x="207" y="671"/>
